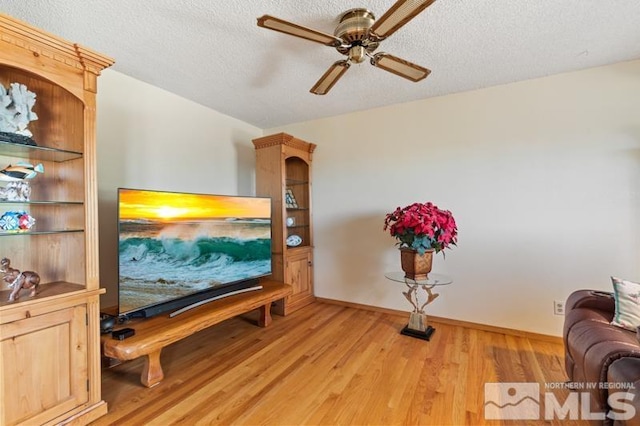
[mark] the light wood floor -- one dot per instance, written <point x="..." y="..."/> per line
<point x="329" y="365"/>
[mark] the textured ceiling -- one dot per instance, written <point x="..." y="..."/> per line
<point x="214" y="53"/>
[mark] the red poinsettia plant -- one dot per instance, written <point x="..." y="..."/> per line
<point x="422" y="226"/>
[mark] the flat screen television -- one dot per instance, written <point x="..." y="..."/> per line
<point x="176" y="249"/>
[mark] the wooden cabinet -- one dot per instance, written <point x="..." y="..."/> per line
<point x="50" y="343"/>
<point x="283" y="172"/>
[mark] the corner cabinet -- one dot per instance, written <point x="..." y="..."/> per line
<point x="283" y="172"/>
<point x="50" y="343"/>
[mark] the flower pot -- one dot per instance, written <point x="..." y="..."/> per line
<point x="416" y="266"/>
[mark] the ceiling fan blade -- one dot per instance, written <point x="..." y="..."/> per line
<point x="399" y="14"/>
<point x="399" y="67"/>
<point x="286" y="27"/>
<point x="330" y="78"/>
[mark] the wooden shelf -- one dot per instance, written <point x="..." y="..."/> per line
<point x="40" y="153"/>
<point x="297" y="226"/>
<point x="45" y="291"/>
<point x="49" y="203"/>
<point x="32" y="233"/>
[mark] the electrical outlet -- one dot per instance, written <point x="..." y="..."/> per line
<point x="558" y="307"/>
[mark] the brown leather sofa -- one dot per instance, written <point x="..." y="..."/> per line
<point x="601" y="353"/>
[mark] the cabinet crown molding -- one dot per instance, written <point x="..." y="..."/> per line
<point x="39" y="42"/>
<point x="284" y="139"/>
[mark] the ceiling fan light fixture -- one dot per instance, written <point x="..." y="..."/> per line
<point x="400" y="67"/>
<point x="357" y="54"/>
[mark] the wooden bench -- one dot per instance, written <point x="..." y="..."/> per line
<point x="153" y="334"/>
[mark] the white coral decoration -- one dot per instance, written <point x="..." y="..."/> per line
<point x="16" y="191"/>
<point x="6" y="116"/>
<point x="15" y="109"/>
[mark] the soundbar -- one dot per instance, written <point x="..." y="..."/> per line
<point x="211" y="299"/>
<point x="172" y="305"/>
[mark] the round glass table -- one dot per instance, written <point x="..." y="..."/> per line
<point x="417" y="326"/>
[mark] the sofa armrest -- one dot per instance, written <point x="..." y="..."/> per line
<point x="624" y="375"/>
<point x="590" y="299"/>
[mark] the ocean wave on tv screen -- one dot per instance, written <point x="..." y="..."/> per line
<point x="156" y="265"/>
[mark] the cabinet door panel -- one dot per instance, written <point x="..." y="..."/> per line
<point x="40" y="382"/>
<point x="299" y="275"/>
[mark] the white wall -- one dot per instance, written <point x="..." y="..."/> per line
<point x="151" y="139"/>
<point x="542" y="176"/>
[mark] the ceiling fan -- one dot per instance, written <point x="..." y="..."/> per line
<point x="357" y="36"/>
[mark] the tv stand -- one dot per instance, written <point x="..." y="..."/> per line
<point x="153" y="334"/>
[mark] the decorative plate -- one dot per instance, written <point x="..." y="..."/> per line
<point x="294" y="240"/>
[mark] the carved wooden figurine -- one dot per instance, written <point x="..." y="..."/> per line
<point x="18" y="280"/>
